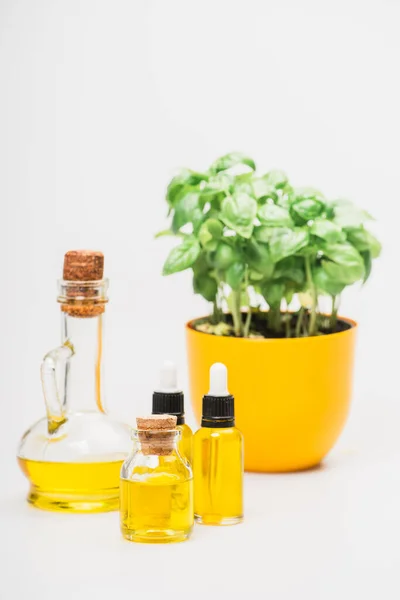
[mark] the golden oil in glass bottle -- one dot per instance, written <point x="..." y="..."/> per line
<point x="218" y="457"/>
<point x="73" y="457"/>
<point x="156" y="487"/>
<point x="169" y="400"/>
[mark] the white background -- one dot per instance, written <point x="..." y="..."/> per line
<point x="99" y="103"/>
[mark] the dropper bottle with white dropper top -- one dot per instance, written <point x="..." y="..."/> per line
<point x="169" y="399"/>
<point x="218" y="457"/>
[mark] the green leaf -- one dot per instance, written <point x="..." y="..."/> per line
<point x="164" y="233"/>
<point x="206" y="286"/>
<point x="182" y="257"/>
<point x="285" y="242"/>
<point x="304" y="210"/>
<point x="273" y="215"/>
<point x="273" y="293"/>
<point x="235" y="275"/>
<point x="259" y="258"/>
<point x="210" y="233"/>
<point x="328" y="231"/>
<point x="231" y="160"/>
<point x="349" y="215"/>
<point x="222" y="182"/>
<point x="187" y="210"/>
<point x="345" y="264"/>
<point x="224" y="256"/>
<point x="291" y="269"/>
<point x="325" y="284"/>
<point x="364" y="240"/>
<point x="184" y="179"/>
<point x="278" y="179"/>
<point x="238" y="212"/>
<point x="201" y="265"/>
<point x="264" y="234"/>
<point x="367" y="258"/>
<point x="263" y="189"/>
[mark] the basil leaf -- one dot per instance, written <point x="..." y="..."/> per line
<point x="285" y="242"/>
<point x="273" y="215"/>
<point x="259" y="258"/>
<point x="181" y="182"/>
<point x="328" y="231"/>
<point x="273" y="293"/>
<point x="346" y="214"/>
<point x="291" y="269"/>
<point x="182" y="257"/>
<point x="345" y="264"/>
<point x="367" y="258"/>
<point x="206" y="286"/>
<point x="224" y="256"/>
<point x="306" y="209"/>
<point x="364" y="240"/>
<point x="277" y="179"/>
<point x="187" y="210"/>
<point x="238" y="212"/>
<point x="210" y="233"/>
<point x="235" y="275"/>
<point x="231" y="160"/>
<point x="325" y="284"/>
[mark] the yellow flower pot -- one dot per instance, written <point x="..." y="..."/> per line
<point x="292" y="396"/>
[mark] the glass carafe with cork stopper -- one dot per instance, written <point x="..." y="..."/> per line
<point x="73" y="457"/>
<point x="156" y="485"/>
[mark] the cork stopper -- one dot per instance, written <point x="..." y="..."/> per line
<point x="83" y="285"/>
<point x="83" y="265"/>
<point x="157" y="434"/>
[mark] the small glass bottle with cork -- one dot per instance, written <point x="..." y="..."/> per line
<point x="156" y="493"/>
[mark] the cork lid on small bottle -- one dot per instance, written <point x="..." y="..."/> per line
<point x="157" y="434"/>
<point x="83" y="265"/>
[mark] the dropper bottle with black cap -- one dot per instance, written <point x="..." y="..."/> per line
<point x="169" y="400"/>
<point x="218" y="457"/>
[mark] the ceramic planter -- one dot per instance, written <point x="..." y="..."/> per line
<point x="292" y="396"/>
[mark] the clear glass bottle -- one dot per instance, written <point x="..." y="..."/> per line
<point x="218" y="457"/>
<point x="169" y="400"/>
<point x="73" y="457"/>
<point x="156" y="485"/>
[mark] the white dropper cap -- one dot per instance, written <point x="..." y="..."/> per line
<point x="218" y="380"/>
<point x="168" y="378"/>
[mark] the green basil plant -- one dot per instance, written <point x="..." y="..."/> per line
<point x="252" y="239"/>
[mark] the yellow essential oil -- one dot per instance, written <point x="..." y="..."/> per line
<point x="185" y="443"/>
<point x="156" y="485"/>
<point x="73" y="487"/>
<point x="169" y="400"/>
<point x="218" y="457"/>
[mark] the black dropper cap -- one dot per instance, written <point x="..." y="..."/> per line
<point x="169" y="402"/>
<point x="218" y="405"/>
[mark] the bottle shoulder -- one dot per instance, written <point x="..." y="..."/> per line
<point x="185" y="429"/>
<point x="83" y="436"/>
<point x="223" y="433"/>
<point x="154" y="469"/>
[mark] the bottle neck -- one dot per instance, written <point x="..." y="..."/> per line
<point x="156" y="442"/>
<point x="84" y="370"/>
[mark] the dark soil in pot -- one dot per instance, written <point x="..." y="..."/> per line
<point x="267" y="325"/>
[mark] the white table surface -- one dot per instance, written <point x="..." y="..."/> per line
<point x="326" y="534"/>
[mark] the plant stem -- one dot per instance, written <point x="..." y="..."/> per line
<point x="236" y="314"/>
<point x="287" y="322"/>
<point x="334" y="313"/>
<point x="247" y="323"/>
<point x="299" y="323"/>
<point x="312" y="330"/>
